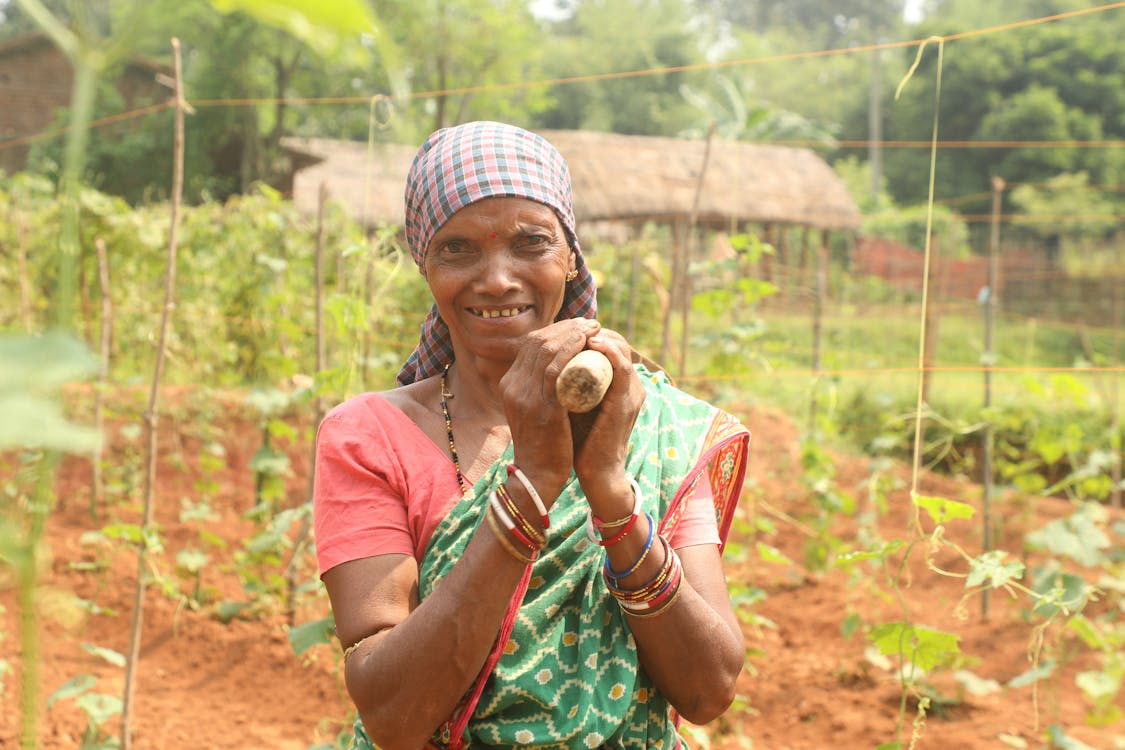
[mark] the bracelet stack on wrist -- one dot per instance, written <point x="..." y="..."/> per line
<point x="511" y="527"/>
<point x="655" y="596"/>
<point x="658" y="594"/>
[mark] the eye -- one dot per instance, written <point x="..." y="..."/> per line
<point x="534" y="241"/>
<point x="453" y="247"/>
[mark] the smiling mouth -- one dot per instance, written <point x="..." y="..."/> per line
<point x="504" y="312"/>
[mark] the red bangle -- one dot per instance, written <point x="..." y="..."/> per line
<point x="621" y="534"/>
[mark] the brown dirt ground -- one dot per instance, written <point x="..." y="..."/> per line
<point x="205" y="684"/>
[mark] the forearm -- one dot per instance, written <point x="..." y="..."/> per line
<point x="693" y="647"/>
<point x="407" y="680"/>
<point x="692" y="654"/>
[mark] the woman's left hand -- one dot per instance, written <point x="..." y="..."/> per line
<point x="602" y="435"/>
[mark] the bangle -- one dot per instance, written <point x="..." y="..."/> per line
<point x="627" y="523"/>
<point x="609" y="571"/>
<point x="656" y="613"/>
<point x="514" y="470"/>
<point x="600" y="524"/>
<point x="537" y="538"/>
<point x="507" y="522"/>
<point x="652" y="588"/>
<point x="666" y="591"/>
<point x="502" y="538"/>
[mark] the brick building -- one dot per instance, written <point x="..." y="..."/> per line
<point x="35" y="82"/>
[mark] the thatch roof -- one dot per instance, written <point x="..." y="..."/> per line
<point x="616" y="177"/>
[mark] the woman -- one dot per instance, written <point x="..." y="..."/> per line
<point x="503" y="574"/>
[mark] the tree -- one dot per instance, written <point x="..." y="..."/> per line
<point x="621" y="37"/>
<point x="1052" y="82"/>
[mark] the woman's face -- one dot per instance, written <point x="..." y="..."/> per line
<point x="497" y="271"/>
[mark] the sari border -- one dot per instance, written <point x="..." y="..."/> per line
<point x="726" y="439"/>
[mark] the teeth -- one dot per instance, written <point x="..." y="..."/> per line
<point x="505" y="313"/>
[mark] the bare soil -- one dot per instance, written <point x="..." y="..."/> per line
<point x="808" y="686"/>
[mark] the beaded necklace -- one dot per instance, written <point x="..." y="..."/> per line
<point x="449" y="430"/>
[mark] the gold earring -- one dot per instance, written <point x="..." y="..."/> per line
<point x="572" y="275"/>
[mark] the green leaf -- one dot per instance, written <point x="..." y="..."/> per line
<point x="1059" y="592"/>
<point x="72" y="688"/>
<point x="268" y="461"/>
<point x="942" y="510"/>
<point x="1059" y="739"/>
<point x="129" y="532"/>
<point x="115" y="658"/>
<point x="230" y="609"/>
<point x="772" y="554"/>
<point x="43" y="362"/>
<point x="192" y="560"/>
<point x="991" y="567"/>
<point x="881" y="553"/>
<point x="35" y="421"/>
<point x="314" y="22"/>
<point x="1098" y="685"/>
<point x="1086" y="631"/>
<point x="975" y="684"/>
<point x="924" y="647"/>
<point x="1079" y="537"/>
<point x="1041" y="672"/>
<point x="305" y="636"/>
<point x="99" y="706"/>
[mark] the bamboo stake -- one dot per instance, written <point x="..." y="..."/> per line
<point x="674" y="288"/>
<point x="97" y="492"/>
<point x="989" y="316"/>
<point x="1115" y="399"/>
<point x="154" y="394"/>
<point x="685" y="279"/>
<point x="303" y="531"/>
<point x="821" y="252"/>
<point x="25" y="281"/>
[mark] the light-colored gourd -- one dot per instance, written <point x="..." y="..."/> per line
<point x="584" y="381"/>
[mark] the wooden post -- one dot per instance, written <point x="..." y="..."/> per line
<point x="690" y="252"/>
<point x="989" y="314"/>
<point x="153" y="400"/>
<point x="97" y="490"/>
<point x="25" y="281"/>
<point x="818" y="323"/>
<point x="674" y="286"/>
<point x="630" y="298"/>
<point x="784" y="270"/>
<point x="767" y="260"/>
<point x="300" y="540"/>
<point x="1115" y="400"/>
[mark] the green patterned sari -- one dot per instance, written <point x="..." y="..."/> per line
<point x="565" y="671"/>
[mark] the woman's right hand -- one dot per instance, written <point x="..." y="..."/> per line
<point x="539" y="424"/>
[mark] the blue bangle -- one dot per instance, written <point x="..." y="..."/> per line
<point x="609" y="571"/>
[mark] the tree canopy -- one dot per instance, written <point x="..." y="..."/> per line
<point x="761" y="70"/>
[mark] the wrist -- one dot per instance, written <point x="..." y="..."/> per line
<point x="612" y="501"/>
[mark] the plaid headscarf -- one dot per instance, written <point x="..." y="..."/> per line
<point x="461" y="165"/>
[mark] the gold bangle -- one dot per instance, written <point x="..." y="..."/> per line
<point x="538" y="538"/>
<point x="503" y="539"/>
<point x="662" y="610"/>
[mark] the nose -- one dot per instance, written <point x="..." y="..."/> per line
<point x="497" y="273"/>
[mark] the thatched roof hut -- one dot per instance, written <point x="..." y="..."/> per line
<point x="625" y="178"/>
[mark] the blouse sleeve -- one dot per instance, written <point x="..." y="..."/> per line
<point x="698" y="524"/>
<point x="358" y="507"/>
